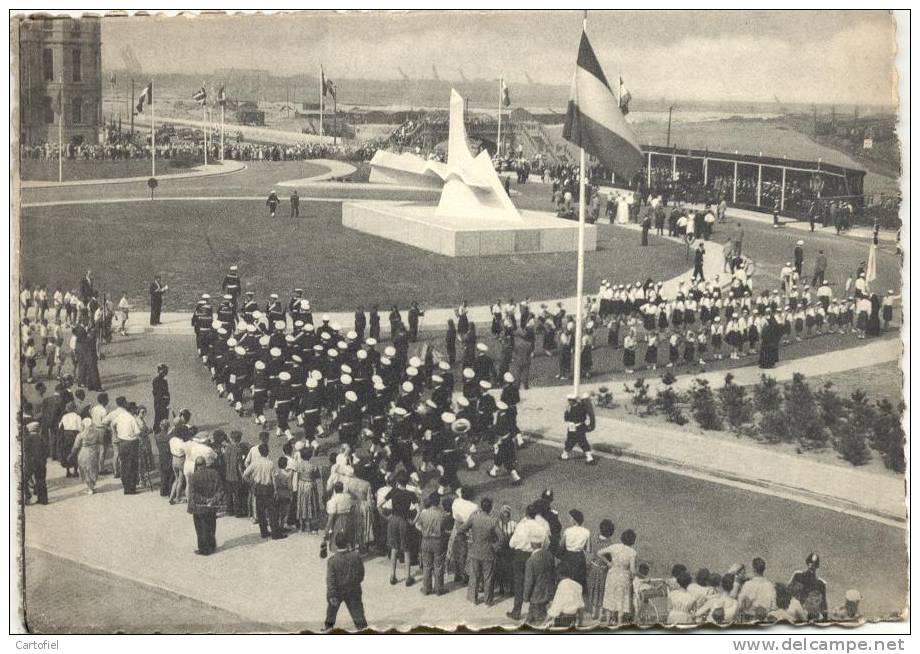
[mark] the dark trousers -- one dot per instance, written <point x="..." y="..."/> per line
<point x="36" y="475"/>
<point x="645" y="236"/>
<point x="536" y="613"/>
<point x="575" y="439"/>
<point x="355" y="609"/>
<point x="164" y="459"/>
<point x="127" y="461"/>
<point x="265" y="510"/>
<point x="481" y="571"/>
<point x="295" y="210"/>
<point x="160" y="413"/>
<point x="156" y="307"/>
<point x="206" y="531"/>
<point x="518" y="563"/>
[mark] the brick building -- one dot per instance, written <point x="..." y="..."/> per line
<point x="60" y="61"/>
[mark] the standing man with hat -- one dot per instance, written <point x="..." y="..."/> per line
<point x="160" y="396"/>
<point x="295" y="204"/>
<point x="232" y="285"/>
<point x="34" y="464"/>
<point x="812" y="589"/>
<point x="272" y="203"/>
<point x="156" y="299"/>
<point x="799" y="257"/>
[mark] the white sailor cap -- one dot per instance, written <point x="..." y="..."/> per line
<point x="411" y="372"/>
<point x="443" y="365"/>
<point x="415" y="362"/>
<point x="482" y="347"/>
<point x="448" y="418"/>
<point x="205" y="296"/>
<point x="378" y="386"/>
<point x="325" y="336"/>
<point x="273" y="296"/>
<point x="279" y="325"/>
<point x="342" y="345"/>
<point x="508" y="377"/>
<point x="345" y="368"/>
<point x="227" y="296"/>
<point x="234" y="268"/>
<point x="501" y="406"/>
<point x="390" y="351"/>
<point x="408" y="387"/>
<point x="260" y="365"/>
<point x="251" y="328"/>
<point x="316" y="374"/>
<point x="351" y="396"/>
<point x="385" y="361"/>
<point x="308" y="327"/>
<point x="462" y="401"/>
<point x="468" y="373"/>
<point x="231" y="342"/>
<point x="399" y="411"/>
<point x="376" y="378"/>
<point x="221" y="331"/>
<point x="275" y="352"/>
<point x="371" y="342"/>
<point x="239" y="349"/>
<point x="332" y="353"/>
<point x="257" y="314"/>
<point x="437" y="379"/>
<point x="311" y="382"/>
<point x="335" y="326"/>
<point x="265" y="340"/>
<point x="361" y="354"/>
<point x="284" y="376"/>
<point x="289" y="338"/>
<point x="485" y="385"/>
<point x="431" y="404"/>
<point x="352" y="335"/>
<point x="571" y="397"/>
<point x="326" y="317"/>
<point x="298" y="323"/>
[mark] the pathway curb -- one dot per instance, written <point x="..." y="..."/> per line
<point x="232" y="167"/>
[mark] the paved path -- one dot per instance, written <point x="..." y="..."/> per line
<point x="262" y="134"/>
<point x="221" y="168"/>
<point x="334" y="169"/>
<point x="878" y="496"/>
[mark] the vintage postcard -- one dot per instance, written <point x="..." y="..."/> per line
<point x="458" y="320"/>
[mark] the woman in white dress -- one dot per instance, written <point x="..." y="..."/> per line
<point x="618" y="591"/>
<point x="681" y="602"/>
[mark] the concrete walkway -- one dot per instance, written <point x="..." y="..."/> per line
<point x="220" y="168"/>
<point x="334" y="169"/>
<point x="249" y="133"/>
<point x="871" y="495"/>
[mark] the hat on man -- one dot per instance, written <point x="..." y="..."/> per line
<point x="205" y="296"/>
<point x="800" y="242"/>
<point x="482" y="347"/>
<point x="239" y="349"/>
<point x="408" y="387"/>
<point x="260" y="365"/>
<point x="234" y="268"/>
<point x="308" y="327"/>
<point x="275" y="352"/>
<point x="462" y="401"/>
<point x="399" y="411"/>
<point x="469" y="373"/>
<point x="501" y="406"/>
<point x="351" y="396"/>
<point x="273" y="296"/>
<point x="279" y="325"/>
<point x="284" y="375"/>
<point x="378" y="386"/>
<point x="415" y="362"/>
<point x="443" y="365"/>
<point x="460" y="426"/>
<point x="345" y="368"/>
<point x="325" y="317"/>
<point x="448" y="417"/>
<point x="411" y="371"/>
<point x="361" y="354"/>
<point x="508" y="377"/>
<point x="352" y="335"/>
<point x="571" y="397"/>
<point x="371" y="342"/>
<point x="332" y="353"/>
<point x="437" y="379"/>
<point x="250" y="328"/>
<point x="853" y="596"/>
<point x="231" y="342"/>
<point x="345" y="379"/>
<point x="390" y="351"/>
<point x="312" y="383"/>
<point x="484" y="385"/>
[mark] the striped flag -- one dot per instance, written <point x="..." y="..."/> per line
<point x="146" y="97"/>
<point x="201" y="97"/>
<point x="594" y="120"/>
<point x="625" y="97"/>
<point x="506" y="97"/>
<point x="221" y="97"/>
<point x="328" y="85"/>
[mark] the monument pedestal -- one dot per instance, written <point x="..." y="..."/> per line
<point x="416" y="225"/>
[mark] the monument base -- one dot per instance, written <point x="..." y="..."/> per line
<point x="416" y="225"/>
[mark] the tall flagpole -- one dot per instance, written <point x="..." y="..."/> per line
<point x="153" y="135"/>
<point x="322" y="95"/>
<point x="580" y="279"/>
<point x="501" y="82"/>
<point x="204" y="131"/>
<point x="61" y="134"/>
<point x="222" y="107"/>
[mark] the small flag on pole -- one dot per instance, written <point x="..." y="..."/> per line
<point x="625" y="97"/>
<point x="146" y="97"/>
<point x="506" y="97"/>
<point x="594" y="120"/>
<point x="328" y="85"/>
<point x="872" y="263"/>
<point x="201" y="97"/>
<point x="221" y="97"/>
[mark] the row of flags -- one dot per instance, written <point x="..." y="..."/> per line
<point x="201" y="97"/>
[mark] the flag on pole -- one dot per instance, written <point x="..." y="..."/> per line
<point x="146" y="97"/>
<point x="871" y="263"/>
<point x="594" y="120"/>
<point x="112" y="79"/>
<point x="328" y="85"/>
<point x="201" y="97"/>
<point x="625" y="97"/>
<point x="506" y="97"/>
<point x="221" y="97"/>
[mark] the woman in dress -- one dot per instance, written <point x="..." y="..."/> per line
<point x="88" y="443"/>
<point x="463" y="320"/>
<point x="363" y="508"/>
<point x="618" y="594"/>
<point x="629" y="352"/>
<point x="681" y="601"/>
<point x="309" y="492"/>
<point x="651" y="351"/>
<point x="504" y="574"/>
<point x="597" y="570"/>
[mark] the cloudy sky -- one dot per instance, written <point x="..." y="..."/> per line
<point x="825" y="56"/>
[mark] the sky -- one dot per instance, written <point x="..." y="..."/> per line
<point x="844" y="57"/>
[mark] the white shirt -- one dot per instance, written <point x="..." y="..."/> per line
<point x="192" y="451"/>
<point x="176" y="446"/>
<point x="71" y="422"/>
<point x="528" y="531"/>
<point x="575" y="538"/>
<point x="124" y="426"/>
<point x="462" y="509"/>
<point x="98" y="415"/>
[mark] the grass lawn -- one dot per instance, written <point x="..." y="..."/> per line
<point x="192" y="243"/>
<point x="37" y="170"/>
<point x="882" y="381"/>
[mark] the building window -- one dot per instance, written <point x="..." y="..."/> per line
<point x="47" y="24"/>
<point x="48" y="110"/>
<point x="77" y="63"/>
<point x="48" y="64"/>
<point x="75" y="26"/>
<point x="76" y="111"/>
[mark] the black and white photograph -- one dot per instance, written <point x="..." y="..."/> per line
<point x="459" y="321"/>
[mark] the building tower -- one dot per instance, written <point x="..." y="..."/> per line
<point x="60" y="67"/>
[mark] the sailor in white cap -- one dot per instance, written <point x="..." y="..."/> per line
<point x="798" y="255"/>
<point x="282" y="396"/>
<point x="226" y="312"/>
<point x="470" y="384"/>
<point x="451" y="455"/>
<point x="311" y="407"/>
<point x="483" y="365"/>
<point x="272" y="203"/>
<point x="511" y="395"/>
<point x="850" y="610"/>
<point x="348" y="419"/>
<point x="238" y="368"/>
<point x="376" y="410"/>
<point x="249" y="306"/>
<point x="576" y="423"/>
<point x="202" y="319"/>
<point x="505" y="448"/>
<point x="295" y="305"/>
<point x="232" y="284"/>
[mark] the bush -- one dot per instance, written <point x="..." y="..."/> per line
<point x="887" y="435"/>
<point x="803" y="414"/>
<point x="736" y="405"/>
<point x="603" y="398"/>
<point x="703" y="403"/>
<point x="668" y="401"/>
<point x="850" y="437"/>
<point x="832" y="407"/>
<point x="767" y="395"/>
<point x="639" y="397"/>
<point x="773" y="426"/>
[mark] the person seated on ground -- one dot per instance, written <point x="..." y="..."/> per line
<point x="568" y="600"/>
